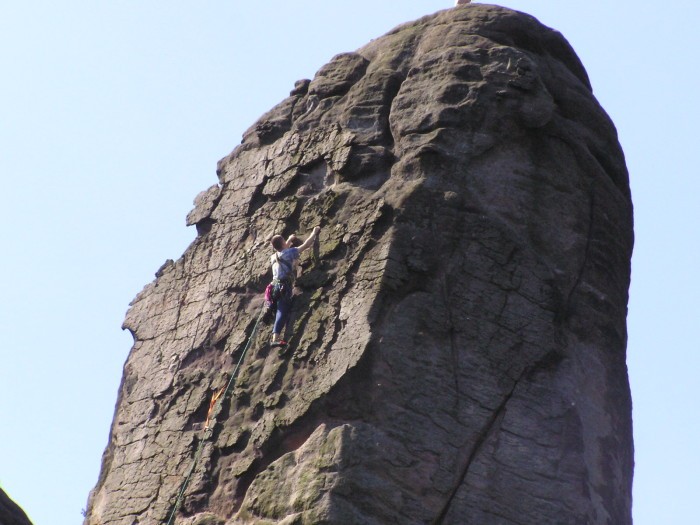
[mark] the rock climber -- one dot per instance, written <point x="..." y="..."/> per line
<point x="284" y="269"/>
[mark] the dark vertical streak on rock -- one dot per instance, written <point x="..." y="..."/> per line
<point x="454" y="350"/>
<point x="488" y="430"/>
<point x="566" y="311"/>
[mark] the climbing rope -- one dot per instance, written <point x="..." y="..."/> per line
<point x="215" y="404"/>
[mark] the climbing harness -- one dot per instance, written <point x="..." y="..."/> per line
<point x="276" y="289"/>
<point x="215" y="403"/>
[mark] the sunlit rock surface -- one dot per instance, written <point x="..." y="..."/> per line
<point x="458" y="344"/>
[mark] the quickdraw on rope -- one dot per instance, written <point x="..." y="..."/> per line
<point x="214" y="405"/>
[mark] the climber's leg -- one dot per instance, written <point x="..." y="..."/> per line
<point x="284" y="309"/>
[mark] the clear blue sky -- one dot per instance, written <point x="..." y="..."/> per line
<point x="112" y="118"/>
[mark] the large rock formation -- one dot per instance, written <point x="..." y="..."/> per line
<point x="10" y="512"/>
<point x="458" y="352"/>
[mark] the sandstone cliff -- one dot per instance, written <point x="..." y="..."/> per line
<point x="458" y="346"/>
<point x="10" y="512"/>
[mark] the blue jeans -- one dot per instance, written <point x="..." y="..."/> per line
<point x="284" y="309"/>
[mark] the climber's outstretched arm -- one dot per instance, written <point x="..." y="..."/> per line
<point x="310" y="240"/>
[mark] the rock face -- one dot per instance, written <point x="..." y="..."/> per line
<point x="458" y="345"/>
<point x="10" y="512"/>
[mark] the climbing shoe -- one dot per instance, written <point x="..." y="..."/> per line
<point x="278" y="344"/>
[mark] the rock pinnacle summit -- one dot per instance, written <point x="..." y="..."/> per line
<point x="458" y="335"/>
